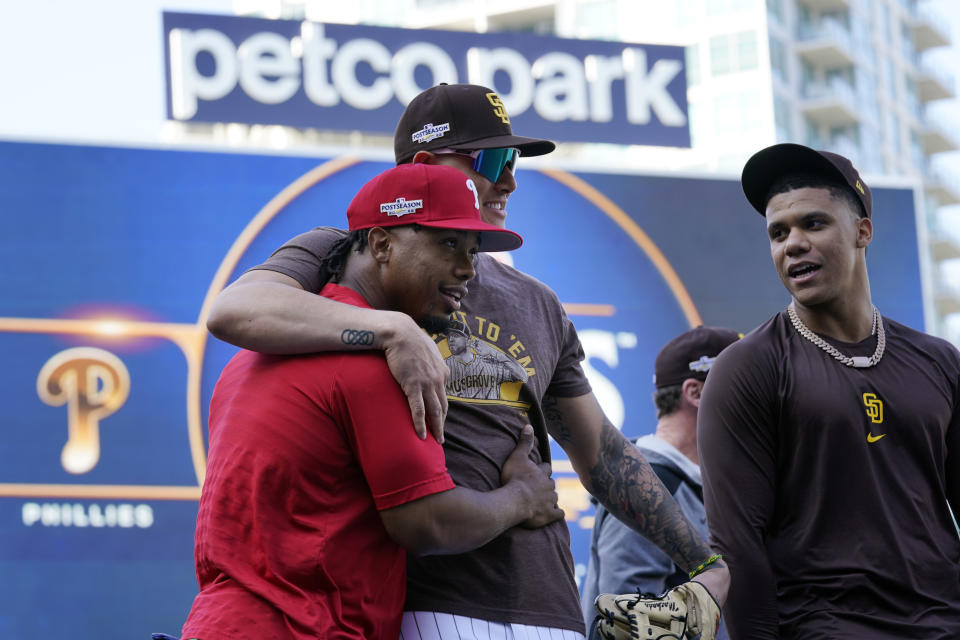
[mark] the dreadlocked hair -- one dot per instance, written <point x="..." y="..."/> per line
<point x="336" y="259"/>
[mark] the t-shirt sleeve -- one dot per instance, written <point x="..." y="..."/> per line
<point x="953" y="443"/>
<point x="300" y="257"/>
<point x="569" y="380"/>
<point x="398" y="466"/>
<point x="737" y="445"/>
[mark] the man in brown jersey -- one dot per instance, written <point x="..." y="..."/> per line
<point x="829" y="437"/>
<point x="523" y="581"/>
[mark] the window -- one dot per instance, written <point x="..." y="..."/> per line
<point x="779" y="63"/>
<point x="692" y="55"/>
<point x="892" y="125"/>
<point x="699" y="123"/>
<point x="737" y="114"/>
<point x="890" y="77"/>
<point x="782" y="119"/>
<point x="688" y="12"/>
<point x="723" y="7"/>
<point x="733" y="52"/>
<point x="597" y="19"/>
<point x="775" y="10"/>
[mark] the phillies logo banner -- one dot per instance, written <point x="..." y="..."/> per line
<point x="345" y="77"/>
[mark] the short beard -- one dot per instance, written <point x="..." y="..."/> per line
<point x="436" y="324"/>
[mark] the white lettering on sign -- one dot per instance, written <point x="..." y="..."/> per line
<point x="648" y="90"/>
<point x="187" y="84"/>
<point x="560" y="92"/>
<point x="604" y="346"/>
<point x="270" y="68"/>
<point x="56" y="514"/>
<point x="268" y="55"/>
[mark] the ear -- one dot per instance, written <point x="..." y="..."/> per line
<point x="690" y="391"/>
<point x="379" y="242"/>
<point x="422" y="157"/>
<point x="864" y="232"/>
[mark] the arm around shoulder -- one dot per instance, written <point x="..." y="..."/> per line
<point x="270" y="312"/>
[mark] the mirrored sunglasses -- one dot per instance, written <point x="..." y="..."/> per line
<point x="489" y="163"/>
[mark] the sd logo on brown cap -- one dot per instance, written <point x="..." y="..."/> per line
<point x="459" y="116"/>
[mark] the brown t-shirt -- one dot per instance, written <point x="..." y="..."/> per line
<point x="520" y="346"/>
<point x="826" y="486"/>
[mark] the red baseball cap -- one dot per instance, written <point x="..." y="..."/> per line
<point x="429" y="195"/>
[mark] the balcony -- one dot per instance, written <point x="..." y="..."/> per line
<point x="944" y="247"/>
<point x="932" y="83"/>
<point x="942" y="186"/>
<point x="828" y="5"/>
<point x="946" y="299"/>
<point x="928" y="28"/>
<point x="827" y="43"/>
<point x="833" y="104"/>
<point x="935" y="134"/>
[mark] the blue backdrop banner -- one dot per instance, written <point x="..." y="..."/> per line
<point x="110" y="258"/>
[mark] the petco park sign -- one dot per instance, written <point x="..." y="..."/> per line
<point x="332" y="76"/>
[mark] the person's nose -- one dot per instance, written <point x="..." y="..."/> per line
<point x="507" y="183"/>
<point x="796" y="243"/>
<point x="464" y="269"/>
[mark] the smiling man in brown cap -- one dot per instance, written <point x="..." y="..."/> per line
<point x="830" y="436"/>
<point x="523" y="581"/>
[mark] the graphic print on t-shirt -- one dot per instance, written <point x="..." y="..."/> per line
<point x="874" y="408"/>
<point x="480" y="372"/>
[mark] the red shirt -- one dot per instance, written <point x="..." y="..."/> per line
<point x="304" y="451"/>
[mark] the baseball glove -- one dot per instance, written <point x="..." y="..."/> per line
<point x="686" y="612"/>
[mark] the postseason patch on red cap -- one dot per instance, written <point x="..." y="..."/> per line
<point x="400" y="207"/>
<point x="428" y="195"/>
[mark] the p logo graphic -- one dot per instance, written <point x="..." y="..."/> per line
<point x="498" y="109"/>
<point x="874" y="407"/>
<point x="93" y="383"/>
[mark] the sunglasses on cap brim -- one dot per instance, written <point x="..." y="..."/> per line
<point x="489" y="163"/>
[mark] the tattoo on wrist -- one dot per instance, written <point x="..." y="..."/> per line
<point x="355" y="337"/>
<point x="625" y="484"/>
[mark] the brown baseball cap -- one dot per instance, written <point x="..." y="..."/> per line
<point x="691" y="354"/>
<point x="769" y="165"/>
<point x="459" y="116"/>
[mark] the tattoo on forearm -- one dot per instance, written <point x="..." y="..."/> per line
<point x="554" y="417"/>
<point x="354" y="337"/>
<point x="627" y="486"/>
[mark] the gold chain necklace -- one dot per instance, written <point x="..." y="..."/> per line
<point x="859" y="362"/>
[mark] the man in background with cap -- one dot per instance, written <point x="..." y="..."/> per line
<point x="523" y="581"/>
<point x="316" y="481"/>
<point x="830" y="436"/>
<point x="621" y="560"/>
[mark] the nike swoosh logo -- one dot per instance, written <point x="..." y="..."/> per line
<point x="873" y="438"/>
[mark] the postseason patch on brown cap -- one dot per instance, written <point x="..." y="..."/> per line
<point x="691" y="354"/>
<point x="462" y="117"/>
<point x="768" y="165"/>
